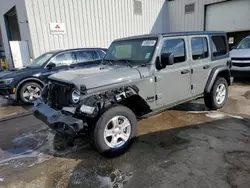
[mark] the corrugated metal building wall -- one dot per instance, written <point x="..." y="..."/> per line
<point x="5" y="6"/>
<point x="92" y="23"/>
<point x="181" y="21"/>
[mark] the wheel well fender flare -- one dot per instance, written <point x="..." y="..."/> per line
<point x="28" y="80"/>
<point x="222" y="71"/>
<point x="124" y="95"/>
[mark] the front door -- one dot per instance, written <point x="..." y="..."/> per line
<point x="61" y="61"/>
<point x="173" y="84"/>
<point x="200" y="63"/>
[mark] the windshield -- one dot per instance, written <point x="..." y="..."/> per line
<point x="244" y="44"/>
<point x="134" y="50"/>
<point x="41" y="60"/>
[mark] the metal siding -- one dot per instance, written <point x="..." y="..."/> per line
<point x="217" y="16"/>
<point x="5" y="6"/>
<point x="92" y="23"/>
<point x="179" y="21"/>
<point x="33" y="28"/>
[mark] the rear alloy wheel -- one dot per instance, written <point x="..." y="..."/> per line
<point x="114" y="131"/>
<point x="30" y="92"/>
<point x="220" y="94"/>
<point x="217" y="98"/>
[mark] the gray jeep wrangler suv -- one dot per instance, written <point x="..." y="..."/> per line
<point x="139" y="76"/>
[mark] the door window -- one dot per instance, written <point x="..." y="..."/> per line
<point x="199" y="48"/>
<point x="66" y="58"/>
<point x="177" y="47"/>
<point x="219" y="47"/>
<point x="85" y="56"/>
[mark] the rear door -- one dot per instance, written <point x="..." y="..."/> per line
<point x="200" y="62"/>
<point x="173" y="82"/>
<point x="85" y="58"/>
<point x="213" y="53"/>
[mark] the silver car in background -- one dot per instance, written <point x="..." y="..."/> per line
<point x="240" y="56"/>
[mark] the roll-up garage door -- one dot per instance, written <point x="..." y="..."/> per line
<point x="229" y="16"/>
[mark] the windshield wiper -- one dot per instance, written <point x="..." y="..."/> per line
<point x="110" y="61"/>
<point x="127" y="61"/>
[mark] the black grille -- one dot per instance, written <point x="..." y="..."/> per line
<point x="241" y="58"/>
<point x="241" y="64"/>
<point x="60" y="94"/>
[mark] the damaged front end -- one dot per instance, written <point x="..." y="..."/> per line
<point x="57" y="108"/>
<point x="67" y="109"/>
<point x="57" y="120"/>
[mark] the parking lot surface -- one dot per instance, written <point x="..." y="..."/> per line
<point x="9" y="108"/>
<point x="186" y="146"/>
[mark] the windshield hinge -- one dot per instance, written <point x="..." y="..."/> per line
<point x="156" y="97"/>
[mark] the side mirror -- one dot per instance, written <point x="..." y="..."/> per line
<point x="51" y="65"/>
<point x="166" y="59"/>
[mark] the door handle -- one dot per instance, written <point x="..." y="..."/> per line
<point x="185" y="71"/>
<point x="206" y="67"/>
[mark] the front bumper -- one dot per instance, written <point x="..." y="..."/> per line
<point x="240" y="71"/>
<point x="7" y="92"/>
<point x="57" y="120"/>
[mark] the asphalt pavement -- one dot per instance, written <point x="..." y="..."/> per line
<point x="10" y="109"/>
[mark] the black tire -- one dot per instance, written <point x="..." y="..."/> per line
<point x="97" y="135"/>
<point x="210" y="98"/>
<point x="24" y="88"/>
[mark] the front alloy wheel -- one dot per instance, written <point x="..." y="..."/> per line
<point x="114" y="131"/>
<point x="117" y="131"/>
<point x="30" y="92"/>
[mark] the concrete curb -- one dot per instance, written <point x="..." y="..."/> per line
<point x="22" y="114"/>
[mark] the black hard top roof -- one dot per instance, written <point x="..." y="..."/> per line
<point x="193" y="33"/>
<point x="171" y="34"/>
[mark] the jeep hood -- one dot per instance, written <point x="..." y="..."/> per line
<point x="97" y="76"/>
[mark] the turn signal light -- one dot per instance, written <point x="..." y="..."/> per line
<point x="14" y="90"/>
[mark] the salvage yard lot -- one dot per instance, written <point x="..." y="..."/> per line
<point x="183" y="147"/>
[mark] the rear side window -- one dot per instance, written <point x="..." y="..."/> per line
<point x="177" y="47"/>
<point x="219" y="46"/>
<point x="84" y="56"/>
<point x="199" y="48"/>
